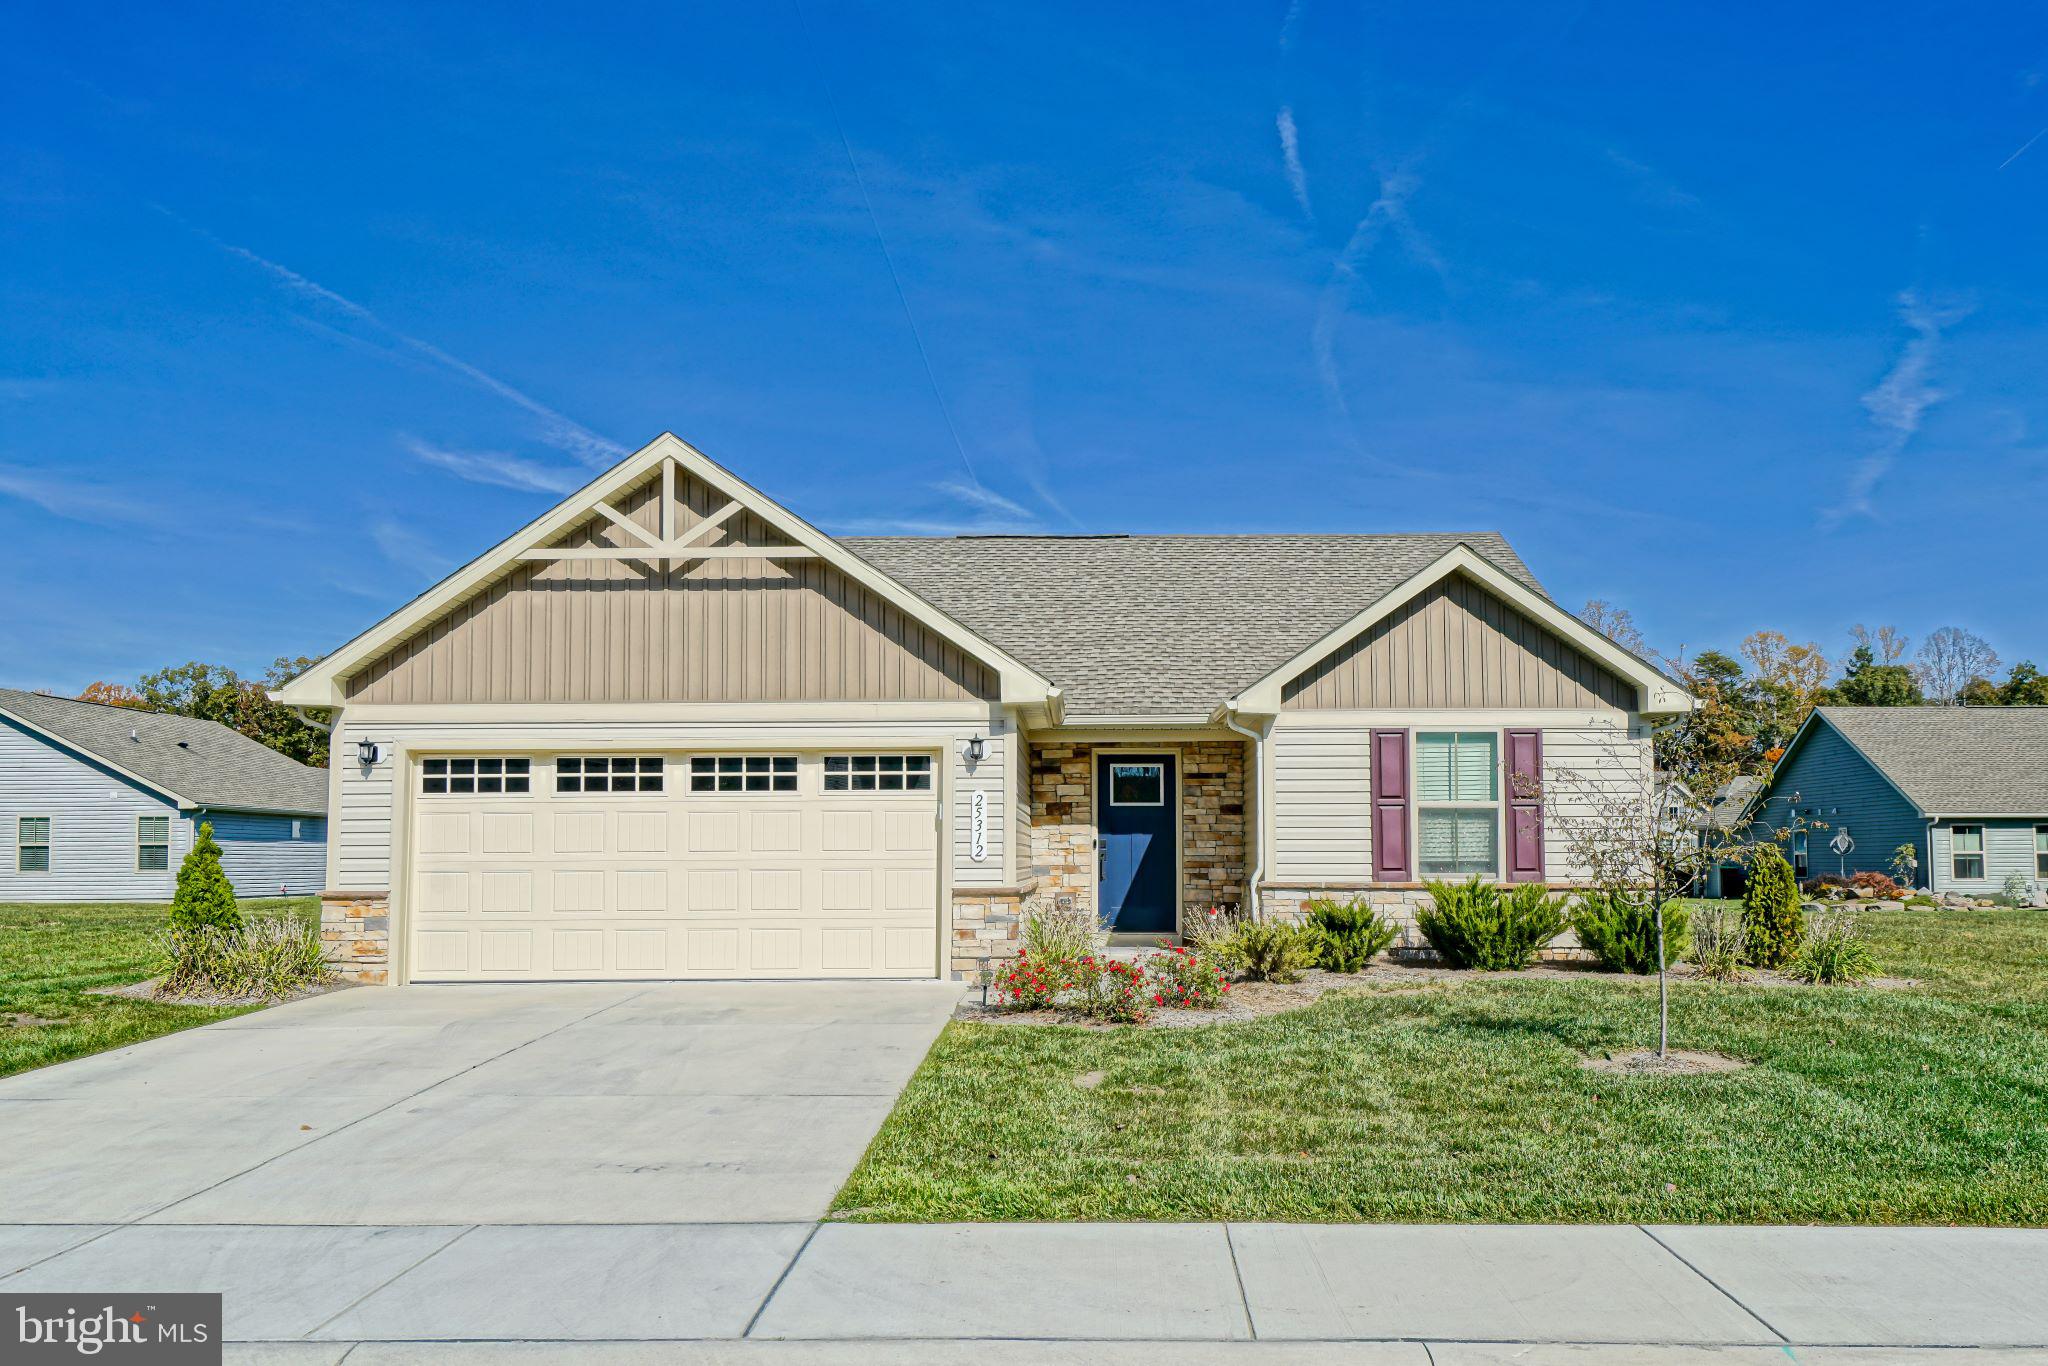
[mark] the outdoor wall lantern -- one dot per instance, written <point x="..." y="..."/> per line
<point x="367" y="753"/>
<point x="977" y="749"/>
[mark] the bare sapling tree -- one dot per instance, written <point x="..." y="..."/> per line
<point x="1949" y="660"/>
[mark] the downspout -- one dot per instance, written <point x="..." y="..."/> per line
<point x="1931" y="822"/>
<point x="1258" y="739"/>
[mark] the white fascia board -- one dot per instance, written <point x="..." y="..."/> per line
<point x="320" y="686"/>
<point x="1656" y="694"/>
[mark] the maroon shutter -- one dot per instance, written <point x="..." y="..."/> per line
<point x="1524" y="777"/>
<point x="1390" y="806"/>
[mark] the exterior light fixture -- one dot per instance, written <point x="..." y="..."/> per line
<point x="977" y="749"/>
<point x="367" y="752"/>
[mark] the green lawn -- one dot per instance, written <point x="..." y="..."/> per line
<point x="1465" y="1102"/>
<point x="51" y="954"/>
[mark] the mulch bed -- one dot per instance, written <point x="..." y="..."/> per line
<point x="146" y="990"/>
<point x="1677" y="1062"/>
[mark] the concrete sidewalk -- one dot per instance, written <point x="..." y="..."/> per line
<point x="834" y="1293"/>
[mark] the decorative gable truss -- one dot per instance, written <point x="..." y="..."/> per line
<point x="666" y="547"/>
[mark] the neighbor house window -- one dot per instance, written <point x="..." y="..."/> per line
<point x="2041" y="851"/>
<point x="609" y="773"/>
<point x="1966" y="851"/>
<point x="1799" y="854"/>
<point x="878" y="773"/>
<point x="295" y="830"/>
<point x="439" y="777"/>
<point x="1137" y="784"/>
<point x="32" y="844"/>
<point x="152" y="844"/>
<point x="743" y="773"/>
<point x="1457" y="803"/>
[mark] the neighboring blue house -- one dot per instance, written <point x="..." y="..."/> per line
<point x="1967" y="787"/>
<point x="100" y="803"/>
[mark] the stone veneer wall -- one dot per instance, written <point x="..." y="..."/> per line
<point x="1212" y="822"/>
<point x="355" y="935"/>
<point x="988" y="925"/>
<point x="1288" y="901"/>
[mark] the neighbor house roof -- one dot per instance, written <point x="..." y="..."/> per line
<point x="1162" y="625"/>
<point x="198" y="763"/>
<point x="1959" y="761"/>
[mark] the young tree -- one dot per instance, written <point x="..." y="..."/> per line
<point x="1871" y="684"/>
<point x="1616" y="623"/>
<point x="1949" y="659"/>
<point x="205" y="898"/>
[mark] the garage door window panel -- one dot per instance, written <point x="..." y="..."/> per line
<point x="480" y="776"/>
<point x="731" y="773"/>
<point x="878" y="773"/>
<point x="608" y="773"/>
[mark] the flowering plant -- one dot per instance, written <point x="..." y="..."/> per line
<point x="1036" y="983"/>
<point x="1114" y="990"/>
<point x="1186" y="979"/>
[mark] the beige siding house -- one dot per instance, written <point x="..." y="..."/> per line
<point x="671" y="730"/>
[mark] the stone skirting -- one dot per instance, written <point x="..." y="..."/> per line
<point x="1398" y="903"/>
<point x="987" y="929"/>
<point x="355" y="935"/>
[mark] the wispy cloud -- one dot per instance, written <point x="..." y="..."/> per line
<point x="563" y="433"/>
<point x="1388" y="211"/>
<point x="407" y="548"/>
<point x="495" y="468"/>
<point x="2022" y="149"/>
<point x="986" y="499"/>
<point x="76" y="500"/>
<point x="1901" y="399"/>
<point x="1290" y="155"/>
<point x="1291" y="25"/>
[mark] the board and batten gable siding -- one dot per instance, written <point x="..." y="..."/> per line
<point x="718" y="630"/>
<point x="92" y="813"/>
<point x="1457" y="645"/>
<point x="260" y="855"/>
<point x="1321" y="784"/>
<point x="1841" y="788"/>
<point x="361" y="848"/>
<point x="2008" y="849"/>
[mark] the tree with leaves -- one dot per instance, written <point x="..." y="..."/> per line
<point x="205" y="899"/>
<point x="1871" y="684"/>
<point x="1718" y="740"/>
<point x="1791" y="679"/>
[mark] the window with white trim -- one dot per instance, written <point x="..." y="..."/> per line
<point x="1137" y="784"/>
<point x="152" y="844"/>
<point x="608" y="773"/>
<point x="470" y="776"/>
<point x="32" y="844"/>
<point x="1457" y="803"/>
<point x="743" y="773"/>
<point x="878" y="773"/>
<point x="1799" y="855"/>
<point x="1966" y="852"/>
<point x="2041" y="851"/>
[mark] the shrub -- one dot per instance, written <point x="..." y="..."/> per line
<point x="1474" y="925"/>
<point x="1032" y="982"/>
<point x="1620" y="929"/>
<point x="1270" y="950"/>
<point x="1111" y="989"/>
<point x="205" y="899"/>
<point x="1877" y="884"/>
<point x="1051" y="935"/>
<point x="269" y="957"/>
<point x="1353" y="933"/>
<point x="1832" y="951"/>
<point x="2017" y="890"/>
<point x="1185" y="979"/>
<point x="1719" y="947"/>
<point x="1772" y="921"/>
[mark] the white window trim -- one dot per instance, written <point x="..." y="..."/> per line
<point x="48" y="845"/>
<point x="1981" y="854"/>
<point x="1158" y="768"/>
<point x="140" y="817"/>
<point x="1498" y="806"/>
<point x="2040" y="853"/>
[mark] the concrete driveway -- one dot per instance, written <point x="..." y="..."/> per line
<point x="466" y="1105"/>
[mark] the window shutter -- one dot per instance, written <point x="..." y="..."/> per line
<point x="1525" y="805"/>
<point x="1390" y="806"/>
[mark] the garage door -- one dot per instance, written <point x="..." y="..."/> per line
<point x="650" y="865"/>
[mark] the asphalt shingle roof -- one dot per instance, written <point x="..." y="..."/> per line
<point x="1161" y="625"/>
<point x="203" y="762"/>
<point x="1976" y="761"/>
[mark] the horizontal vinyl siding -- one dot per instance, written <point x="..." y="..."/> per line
<point x="363" y="832"/>
<point x="92" y="815"/>
<point x="1589" y="773"/>
<point x="2008" y="849"/>
<point x="1457" y="645"/>
<point x="711" y="631"/>
<point x="1841" y="789"/>
<point x="260" y="856"/>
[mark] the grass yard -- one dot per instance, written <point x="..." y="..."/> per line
<point x="51" y="954"/>
<point x="1466" y="1102"/>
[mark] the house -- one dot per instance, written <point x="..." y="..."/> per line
<point x="1965" y="787"/>
<point x="101" y="803"/>
<point x="671" y="730"/>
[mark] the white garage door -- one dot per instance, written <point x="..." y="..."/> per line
<point x="649" y="865"/>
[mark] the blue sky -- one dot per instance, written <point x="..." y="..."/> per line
<point x="1730" y="315"/>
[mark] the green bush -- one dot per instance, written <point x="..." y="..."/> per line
<point x="269" y="957"/>
<point x="1832" y="951"/>
<point x="1620" y="929"/>
<point x="1353" y="933"/>
<point x="1772" y="921"/>
<point x="1269" y="950"/>
<point x="1475" y="925"/>
<point x="1053" y="936"/>
<point x="205" y="899"/>
<point x="1719" y="947"/>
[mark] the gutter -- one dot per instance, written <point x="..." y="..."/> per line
<point x="1258" y="738"/>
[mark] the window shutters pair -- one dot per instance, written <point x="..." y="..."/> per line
<point x="1522" y="798"/>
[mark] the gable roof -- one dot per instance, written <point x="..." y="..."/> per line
<point x="195" y="763"/>
<point x="1950" y="761"/>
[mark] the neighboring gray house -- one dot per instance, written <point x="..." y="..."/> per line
<point x="100" y="803"/>
<point x="1966" y="786"/>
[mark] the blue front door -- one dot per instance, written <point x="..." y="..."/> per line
<point x="1136" y="810"/>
